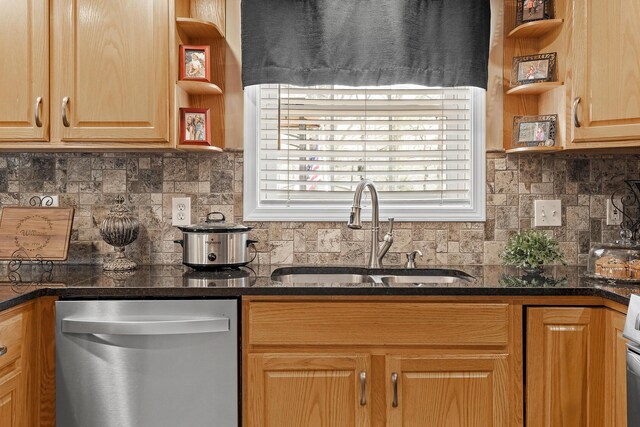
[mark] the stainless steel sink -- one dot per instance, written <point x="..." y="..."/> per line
<point x="306" y="278"/>
<point x="381" y="277"/>
<point x="423" y="280"/>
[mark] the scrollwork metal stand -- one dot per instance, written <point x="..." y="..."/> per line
<point x="629" y="205"/>
<point x="44" y="268"/>
<point x="21" y="256"/>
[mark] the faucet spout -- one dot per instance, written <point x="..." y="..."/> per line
<point x="355" y="223"/>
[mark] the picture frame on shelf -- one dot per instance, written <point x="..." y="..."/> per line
<point x="533" y="69"/>
<point x="533" y="10"/>
<point x="195" y="63"/>
<point x="534" y="131"/>
<point x="195" y="126"/>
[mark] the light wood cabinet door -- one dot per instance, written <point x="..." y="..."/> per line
<point x="17" y="366"/>
<point x="313" y="390"/>
<point x="616" y="371"/>
<point x="24" y="70"/>
<point x="604" y="73"/>
<point x="12" y="400"/>
<point x="447" y="390"/>
<point x="565" y="367"/>
<point x="110" y="64"/>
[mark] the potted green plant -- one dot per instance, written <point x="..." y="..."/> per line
<point x="531" y="249"/>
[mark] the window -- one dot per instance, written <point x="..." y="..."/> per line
<point x="306" y="149"/>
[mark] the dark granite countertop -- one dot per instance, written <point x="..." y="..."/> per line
<point x="82" y="281"/>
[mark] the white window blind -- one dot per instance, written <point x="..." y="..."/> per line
<point x="314" y="144"/>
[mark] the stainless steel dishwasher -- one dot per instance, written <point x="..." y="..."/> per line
<point x="160" y="363"/>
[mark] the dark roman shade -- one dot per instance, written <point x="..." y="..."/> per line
<point x="366" y="42"/>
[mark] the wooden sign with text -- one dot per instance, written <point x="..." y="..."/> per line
<point x="43" y="232"/>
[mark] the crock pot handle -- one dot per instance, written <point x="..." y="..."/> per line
<point x="179" y="242"/>
<point x="251" y="242"/>
<point x="209" y="219"/>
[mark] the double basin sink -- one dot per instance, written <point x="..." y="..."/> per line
<point x="391" y="277"/>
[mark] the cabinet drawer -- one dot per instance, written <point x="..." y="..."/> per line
<point x="377" y="323"/>
<point x="11" y="335"/>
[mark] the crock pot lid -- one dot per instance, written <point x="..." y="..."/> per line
<point x="215" y="223"/>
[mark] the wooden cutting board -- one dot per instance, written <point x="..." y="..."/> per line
<point x="40" y="231"/>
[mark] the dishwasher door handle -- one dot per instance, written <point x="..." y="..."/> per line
<point x="145" y="327"/>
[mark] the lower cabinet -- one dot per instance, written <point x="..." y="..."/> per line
<point x="615" y="363"/>
<point x="333" y="363"/>
<point x="27" y="383"/>
<point x="361" y="363"/>
<point x="16" y="365"/>
<point x="293" y="390"/>
<point x="565" y="367"/>
<point x="447" y="390"/>
<point x="335" y="390"/>
<point x="12" y="400"/>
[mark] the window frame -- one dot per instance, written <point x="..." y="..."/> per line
<point x="255" y="210"/>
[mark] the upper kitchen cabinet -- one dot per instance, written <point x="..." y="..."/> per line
<point x="24" y="85"/>
<point x="598" y="50"/>
<point x="605" y="87"/>
<point x="110" y="71"/>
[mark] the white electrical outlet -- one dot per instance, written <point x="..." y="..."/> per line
<point x="46" y="199"/>
<point x="548" y="213"/>
<point x="181" y="211"/>
<point x="614" y="216"/>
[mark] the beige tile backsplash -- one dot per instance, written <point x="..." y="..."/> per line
<point x="90" y="182"/>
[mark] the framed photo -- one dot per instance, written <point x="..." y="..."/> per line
<point x="195" y="63"/>
<point x="534" y="131"/>
<point x="195" y="126"/>
<point x="533" y="69"/>
<point x="533" y="10"/>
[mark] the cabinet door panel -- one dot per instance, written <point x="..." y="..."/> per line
<point x="448" y="390"/>
<point x="111" y="61"/>
<point x="24" y="49"/>
<point x="9" y="402"/>
<point x="316" y="390"/>
<point x="605" y="56"/>
<point x="564" y="367"/>
<point x="616" y="371"/>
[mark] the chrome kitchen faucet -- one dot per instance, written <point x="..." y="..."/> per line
<point x="377" y="252"/>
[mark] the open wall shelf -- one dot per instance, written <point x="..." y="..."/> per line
<point x="194" y="28"/>
<point x="199" y="88"/>
<point x="544" y="98"/>
<point x="201" y="22"/>
<point x="534" y="150"/>
<point x="535" y="29"/>
<point x="533" y="88"/>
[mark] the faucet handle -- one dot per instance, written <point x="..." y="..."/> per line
<point x="411" y="258"/>
<point x="391" y="220"/>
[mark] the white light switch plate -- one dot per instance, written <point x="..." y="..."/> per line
<point x="548" y="213"/>
<point x="181" y="211"/>
<point x="614" y="216"/>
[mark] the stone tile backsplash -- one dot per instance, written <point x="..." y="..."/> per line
<point x="90" y="182"/>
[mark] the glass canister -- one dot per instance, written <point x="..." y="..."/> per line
<point x="620" y="261"/>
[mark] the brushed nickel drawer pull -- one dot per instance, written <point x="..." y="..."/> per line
<point x="394" y="380"/>
<point x="65" y="103"/>
<point x="574" y="107"/>
<point x="37" y="112"/>
<point x="3" y="350"/>
<point x="363" y="388"/>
